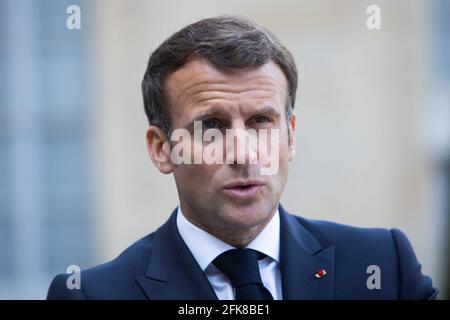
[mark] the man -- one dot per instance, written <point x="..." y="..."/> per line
<point x="230" y="238"/>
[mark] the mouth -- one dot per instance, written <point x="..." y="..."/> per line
<point x="244" y="190"/>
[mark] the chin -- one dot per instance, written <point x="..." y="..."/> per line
<point x="246" y="216"/>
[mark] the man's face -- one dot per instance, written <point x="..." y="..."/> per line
<point x="221" y="197"/>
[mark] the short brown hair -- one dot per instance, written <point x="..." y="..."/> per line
<point x="228" y="42"/>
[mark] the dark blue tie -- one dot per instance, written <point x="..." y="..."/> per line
<point x="241" y="267"/>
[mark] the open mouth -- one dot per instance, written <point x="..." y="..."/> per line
<point x="244" y="190"/>
<point x="244" y="187"/>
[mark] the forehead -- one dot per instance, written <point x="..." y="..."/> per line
<point x="198" y="82"/>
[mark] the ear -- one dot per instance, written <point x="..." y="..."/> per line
<point x="159" y="149"/>
<point x="292" y="124"/>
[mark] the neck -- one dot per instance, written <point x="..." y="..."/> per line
<point x="235" y="236"/>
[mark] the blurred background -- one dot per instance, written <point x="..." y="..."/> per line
<point x="76" y="183"/>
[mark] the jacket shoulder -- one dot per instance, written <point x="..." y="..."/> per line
<point x="332" y="233"/>
<point x="112" y="280"/>
<point x="388" y="249"/>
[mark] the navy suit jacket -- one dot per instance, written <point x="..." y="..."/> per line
<point x="160" y="266"/>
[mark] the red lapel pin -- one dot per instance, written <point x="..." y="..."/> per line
<point x="320" y="274"/>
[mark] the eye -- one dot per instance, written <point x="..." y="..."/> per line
<point x="261" y="119"/>
<point x="209" y="124"/>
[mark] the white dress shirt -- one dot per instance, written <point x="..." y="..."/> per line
<point x="206" y="247"/>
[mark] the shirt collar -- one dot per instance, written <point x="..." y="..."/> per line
<point x="205" y="247"/>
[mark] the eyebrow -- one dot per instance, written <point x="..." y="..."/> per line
<point x="214" y="112"/>
<point x="268" y="110"/>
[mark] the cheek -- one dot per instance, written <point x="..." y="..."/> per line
<point x="284" y="148"/>
<point x="284" y="158"/>
<point x="196" y="176"/>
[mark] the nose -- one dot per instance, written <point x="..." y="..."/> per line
<point x="241" y="145"/>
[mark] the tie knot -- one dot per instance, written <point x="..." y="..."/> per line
<point x="240" y="266"/>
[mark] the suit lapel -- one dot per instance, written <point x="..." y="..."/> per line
<point x="301" y="256"/>
<point x="173" y="272"/>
